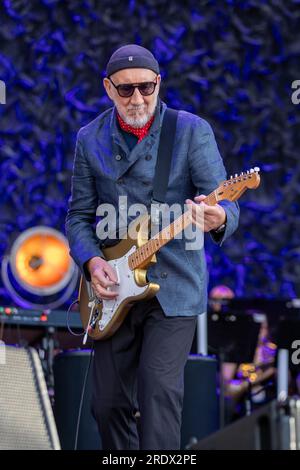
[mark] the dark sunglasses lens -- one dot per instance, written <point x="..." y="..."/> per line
<point x="147" y="88"/>
<point x="125" y="90"/>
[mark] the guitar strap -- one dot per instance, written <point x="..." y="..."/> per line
<point x="163" y="163"/>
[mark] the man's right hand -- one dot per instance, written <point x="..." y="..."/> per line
<point x="103" y="276"/>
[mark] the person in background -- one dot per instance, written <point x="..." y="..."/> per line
<point x="240" y="380"/>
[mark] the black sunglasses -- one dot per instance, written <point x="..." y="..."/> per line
<point x="126" y="90"/>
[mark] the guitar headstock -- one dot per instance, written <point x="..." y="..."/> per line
<point x="233" y="188"/>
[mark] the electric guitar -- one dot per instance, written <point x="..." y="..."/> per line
<point x="132" y="256"/>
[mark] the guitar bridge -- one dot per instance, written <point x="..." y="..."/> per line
<point x="107" y="314"/>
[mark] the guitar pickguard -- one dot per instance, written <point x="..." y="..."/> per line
<point x="127" y="288"/>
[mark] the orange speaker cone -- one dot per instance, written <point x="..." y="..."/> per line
<point x="42" y="260"/>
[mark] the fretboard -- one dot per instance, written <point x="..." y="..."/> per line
<point x="142" y="255"/>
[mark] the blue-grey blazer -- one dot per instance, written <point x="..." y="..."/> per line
<point x="105" y="168"/>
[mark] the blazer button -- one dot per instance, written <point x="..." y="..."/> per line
<point x="118" y="157"/>
<point x="164" y="275"/>
<point x="148" y="157"/>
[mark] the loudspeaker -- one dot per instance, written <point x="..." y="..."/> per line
<point x="200" y="415"/>
<point x="69" y="370"/>
<point x="26" y="417"/>
<point x="265" y="429"/>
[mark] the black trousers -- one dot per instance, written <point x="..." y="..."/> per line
<point x="141" y="368"/>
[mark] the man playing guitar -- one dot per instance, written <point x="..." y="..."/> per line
<point x="140" y="367"/>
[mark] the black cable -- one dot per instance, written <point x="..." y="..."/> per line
<point x="82" y="397"/>
<point x="68" y="318"/>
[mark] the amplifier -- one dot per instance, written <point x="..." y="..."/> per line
<point x="26" y="417"/>
<point x="200" y="415"/>
<point x="70" y="368"/>
<point x="29" y="317"/>
<point x="274" y="426"/>
<point x="30" y="326"/>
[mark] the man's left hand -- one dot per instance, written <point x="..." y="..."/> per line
<point x="213" y="217"/>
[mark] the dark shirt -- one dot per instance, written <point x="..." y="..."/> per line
<point x="129" y="138"/>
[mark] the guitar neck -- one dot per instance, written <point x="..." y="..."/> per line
<point x="143" y="254"/>
<point x="230" y="190"/>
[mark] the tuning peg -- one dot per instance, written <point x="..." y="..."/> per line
<point x="242" y="173"/>
<point x="256" y="169"/>
<point x="236" y="175"/>
<point x="251" y="171"/>
<point x="231" y="177"/>
<point x="247" y="172"/>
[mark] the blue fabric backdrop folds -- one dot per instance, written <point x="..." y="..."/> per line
<point x="232" y="62"/>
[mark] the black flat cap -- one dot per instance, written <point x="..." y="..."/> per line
<point x="131" y="56"/>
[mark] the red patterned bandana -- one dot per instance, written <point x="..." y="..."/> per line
<point x="139" y="132"/>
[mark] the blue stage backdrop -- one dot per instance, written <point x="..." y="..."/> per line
<point x="232" y="62"/>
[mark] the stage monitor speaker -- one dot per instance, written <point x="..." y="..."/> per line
<point x="200" y="416"/>
<point x="69" y="372"/>
<point x="264" y="429"/>
<point x="26" y="418"/>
